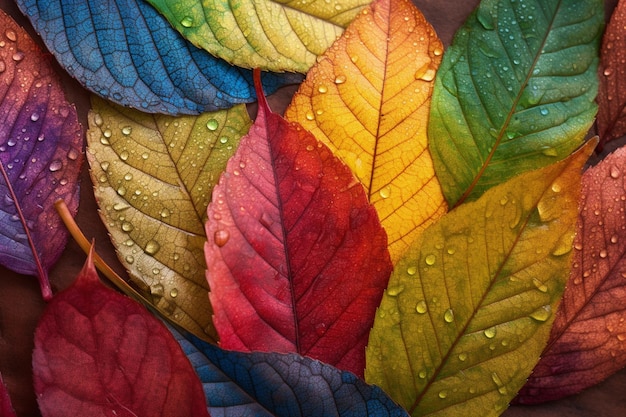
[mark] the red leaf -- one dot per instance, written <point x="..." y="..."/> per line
<point x="297" y="259"/>
<point x="40" y="156"/>
<point x="588" y="339"/>
<point x="98" y="352"/>
<point x="612" y="75"/>
<point x="6" y="409"/>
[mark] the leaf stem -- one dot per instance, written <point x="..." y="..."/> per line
<point x="42" y="275"/>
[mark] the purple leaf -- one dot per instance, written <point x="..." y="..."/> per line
<point x="40" y="156"/>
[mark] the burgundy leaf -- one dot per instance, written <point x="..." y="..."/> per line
<point x="612" y="74"/>
<point x="588" y="338"/>
<point x="40" y="156"/>
<point x="99" y="353"/>
<point x="6" y="409"/>
<point x="297" y="258"/>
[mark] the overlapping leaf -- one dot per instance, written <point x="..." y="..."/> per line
<point x="273" y="384"/>
<point x="98" y="352"/>
<point x="125" y="51"/>
<point x="153" y="178"/>
<point x="40" y="156"/>
<point x="468" y="309"/>
<point x="6" y="409"/>
<point x="297" y="259"/>
<point x="588" y="340"/>
<point x="612" y="91"/>
<point x="514" y="92"/>
<point x="377" y="80"/>
<point x="276" y="35"/>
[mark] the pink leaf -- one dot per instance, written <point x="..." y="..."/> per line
<point x="98" y="352"/>
<point x="297" y="259"/>
<point x="6" y="409"/>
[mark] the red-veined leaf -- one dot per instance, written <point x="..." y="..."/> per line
<point x="588" y="339"/>
<point x="98" y="352"/>
<point x="297" y="259"/>
<point x="40" y="156"/>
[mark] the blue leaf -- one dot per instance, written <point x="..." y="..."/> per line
<point x="125" y="51"/>
<point x="276" y="384"/>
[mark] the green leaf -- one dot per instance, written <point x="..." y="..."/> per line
<point x="153" y="177"/>
<point x="514" y="92"/>
<point x="468" y="309"/>
<point x="274" y="35"/>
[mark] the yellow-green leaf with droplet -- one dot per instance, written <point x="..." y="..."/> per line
<point x="275" y="35"/>
<point x="469" y="307"/>
<point x="153" y="176"/>
<point x="368" y="99"/>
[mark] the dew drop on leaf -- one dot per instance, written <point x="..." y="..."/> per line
<point x="220" y="237"/>
<point x="152" y="247"/>
<point x="448" y="316"/>
<point x="411" y="270"/>
<point x="187" y="21"/>
<point x="540" y="285"/>
<point x="542" y="314"/>
<point x="212" y="124"/>
<point x="430" y="259"/>
<point x="395" y="290"/>
<point x="490" y="333"/>
<point x="127" y="130"/>
<point x="174" y="292"/>
<point x="421" y="307"/>
<point x="55" y="165"/>
<point x="385" y="192"/>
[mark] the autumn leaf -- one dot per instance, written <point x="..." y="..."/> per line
<point x="515" y="92"/>
<point x="153" y="177"/>
<point x="297" y="260"/>
<point x="612" y="75"/>
<point x="98" y="352"/>
<point x="40" y="156"/>
<point x="468" y="309"/>
<point x="274" y="35"/>
<point x="377" y="80"/>
<point x="588" y="337"/>
<point x="6" y="409"/>
<point x="272" y="384"/>
<point x="126" y="52"/>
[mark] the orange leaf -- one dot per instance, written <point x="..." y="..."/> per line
<point x="377" y="81"/>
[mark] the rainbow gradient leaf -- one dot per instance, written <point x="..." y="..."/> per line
<point x="515" y="92"/>
<point x="126" y="52"/>
<point x="153" y="179"/>
<point x="99" y="353"/>
<point x="274" y="35"/>
<point x="245" y="384"/>
<point x="468" y="309"/>
<point x="40" y="156"/>
<point x="588" y="339"/>
<point x="297" y="260"/>
<point x="377" y="80"/>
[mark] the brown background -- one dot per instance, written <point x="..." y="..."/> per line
<point x="21" y="303"/>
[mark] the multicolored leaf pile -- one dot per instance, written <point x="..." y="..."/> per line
<point x="319" y="249"/>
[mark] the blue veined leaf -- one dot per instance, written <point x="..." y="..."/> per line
<point x="274" y="384"/>
<point x="125" y="51"/>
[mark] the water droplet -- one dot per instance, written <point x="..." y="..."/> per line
<point x="107" y="133"/>
<point x="130" y="259"/>
<point x="124" y="155"/>
<point x="395" y="290"/>
<point x="3" y="66"/>
<point x="174" y="292"/>
<point x="542" y="314"/>
<point x="421" y="307"/>
<point x="34" y="117"/>
<point x="544" y="111"/>
<point x="548" y="151"/>
<point x="430" y="259"/>
<point x="18" y="56"/>
<point x="127" y="130"/>
<point x="411" y="270"/>
<point x="165" y="213"/>
<point x="127" y="227"/>
<point x="220" y="237"/>
<point x="437" y="51"/>
<point x="490" y="333"/>
<point x="340" y="79"/>
<point x="187" y="21"/>
<point x="385" y="192"/>
<point x="11" y="35"/>
<point x="120" y="206"/>
<point x="443" y="394"/>
<point x="97" y="119"/>
<point x="322" y="89"/>
<point x="212" y="124"/>
<point x="448" y="316"/>
<point x="540" y="285"/>
<point x="152" y="247"/>
<point x="310" y="116"/>
<point x="615" y="172"/>
<point x="55" y="165"/>
<point x="603" y="253"/>
<point x="463" y="357"/>
<point x="614" y="239"/>
<point x="422" y="374"/>
<point x="556" y="188"/>
<point x="128" y="176"/>
<point x="608" y="71"/>
<point x="73" y="154"/>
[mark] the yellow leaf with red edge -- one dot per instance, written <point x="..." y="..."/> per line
<point x="368" y="99"/>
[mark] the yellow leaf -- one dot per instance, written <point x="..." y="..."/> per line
<point x="153" y="176"/>
<point x="368" y="99"/>
<point x="469" y="307"/>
